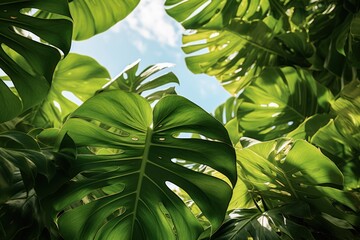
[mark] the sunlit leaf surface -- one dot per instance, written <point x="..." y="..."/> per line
<point x="125" y="186"/>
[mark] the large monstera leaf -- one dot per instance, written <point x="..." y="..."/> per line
<point x="235" y="40"/>
<point x="30" y="63"/>
<point x="279" y="100"/>
<point x="76" y="79"/>
<point x="125" y="187"/>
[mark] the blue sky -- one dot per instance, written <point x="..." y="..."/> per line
<point x="149" y="34"/>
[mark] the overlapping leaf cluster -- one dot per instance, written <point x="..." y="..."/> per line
<point x="85" y="156"/>
<point x="292" y="68"/>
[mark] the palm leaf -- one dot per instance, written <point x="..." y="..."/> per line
<point x="124" y="187"/>
<point x="30" y="63"/>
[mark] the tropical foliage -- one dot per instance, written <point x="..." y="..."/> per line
<point x="84" y="156"/>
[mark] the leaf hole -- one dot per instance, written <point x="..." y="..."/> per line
<point x="72" y="97"/>
<point x="105" y="151"/>
<point x="189" y="164"/>
<point x="116" y="213"/>
<point x="198" y="10"/>
<point x="108" y="128"/>
<point x="188" y="135"/>
<point x="41" y="14"/>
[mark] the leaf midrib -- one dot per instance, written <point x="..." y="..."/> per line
<point x="141" y="175"/>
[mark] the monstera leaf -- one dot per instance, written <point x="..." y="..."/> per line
<point x="20" y="161"/>
<point x="96" y="16"/>
<point x="238" y="52"/>
<point x="125" y="188"/>
<point x="76" y="79"/>
<point x="30" y="63"/>
<point x="279" y="100"/>
<point x="347" y="109"/>
<point x="25" y="169"/>
<point x="19" y="153"/>
<point x="227" y="114"/>
<point x="284" y="170"/>
<point x="93" y="17"/>
<point x="272" y="224"/>
<point x="129" y="81"/>
<point x="235" y="40"/>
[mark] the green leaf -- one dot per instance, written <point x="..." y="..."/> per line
<point x="129" y="81"/>
<point x="28" y="62"/>
<point x="96" y="16"/>
<point x="235" y="40"/>
<point x="278" y="101"/>
<point x="273" y="224"/>
<point x="228" y="110"/>
<point x="125" y="192"/>
<point x="227" y="114"/>
<point x="347" y="108"/>
<point x="283" y="171"/>
<point x="238" y="52"/>
<point x="195" y="14"/>
<point x="76" y="79"/>
<point x="19" y="151"/>
<point x="21" y="219"/>
<point x="307" y="129"/>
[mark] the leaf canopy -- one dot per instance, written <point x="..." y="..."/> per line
<point x="124" y="187"/>
<point x="235" y="40"/>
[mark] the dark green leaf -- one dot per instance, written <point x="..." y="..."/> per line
<point x="28" y="62"/>
<point x="273" y="224"/>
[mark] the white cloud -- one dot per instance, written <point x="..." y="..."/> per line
<point x="140" y="46"/>
<point x="208" y="87"/>
<point x="151" y="22"/>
